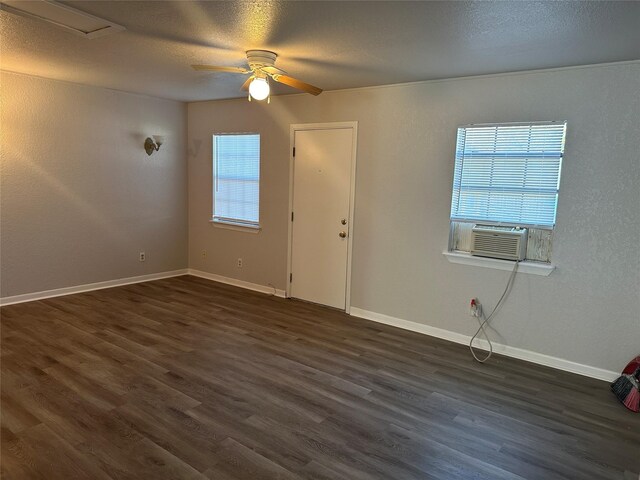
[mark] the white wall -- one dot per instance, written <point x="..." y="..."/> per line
<point x="79" y="195"/>
<point x="586" y="311"/>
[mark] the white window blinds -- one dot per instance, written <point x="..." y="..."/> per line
<point x="508" y="173"/>
<point x="236" y="178"/>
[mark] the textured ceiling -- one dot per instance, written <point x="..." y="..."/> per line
<point x="332" y="45"/>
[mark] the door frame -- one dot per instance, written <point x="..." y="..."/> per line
<point x="297" y="127"/>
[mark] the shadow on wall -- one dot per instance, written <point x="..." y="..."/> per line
<point x="195" y="148"/>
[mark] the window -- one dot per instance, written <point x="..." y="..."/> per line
<point x="236" y="179"/>
<point x="508" y="174"/>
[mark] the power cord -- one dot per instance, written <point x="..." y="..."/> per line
<point x="486" y="320"/>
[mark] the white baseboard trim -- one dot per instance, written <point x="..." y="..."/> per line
<point x="238" y="283"/>
<point x="58" y="292"/>
<point x="455" y="337"/>
<point x="529" y="356"/>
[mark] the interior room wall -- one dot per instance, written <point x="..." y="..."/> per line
<point x="585" y="311"/>
<point x="80" y="198"/>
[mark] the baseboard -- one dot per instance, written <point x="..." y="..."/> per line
<point x="238" y="283"/>
<point x="529" y="356"/>
<point x="58" y="292"/>
<point x="506" y="350"/>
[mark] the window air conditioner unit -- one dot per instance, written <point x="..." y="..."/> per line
<point x="507" y="243"/>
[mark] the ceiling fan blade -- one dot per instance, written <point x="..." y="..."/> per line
<point x="214" y="68"/>
<point x="273" y="70"/>
<point x="295" y="83"/>
<point x="245" y="85"/>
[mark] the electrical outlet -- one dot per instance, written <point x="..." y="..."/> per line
<point x="143" y="256"/>
<point x="204" y="254"/>
<point x="475" y="309"/>
<point x="239" y="263"/>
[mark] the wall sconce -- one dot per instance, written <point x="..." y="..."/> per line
<point x="153" y="144"/>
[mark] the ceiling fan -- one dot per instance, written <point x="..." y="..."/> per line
<point x="261" y="69"/>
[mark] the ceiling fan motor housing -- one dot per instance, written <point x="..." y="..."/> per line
<point x="260" y="58"/>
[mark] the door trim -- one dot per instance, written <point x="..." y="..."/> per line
<point x="297" y="127"/>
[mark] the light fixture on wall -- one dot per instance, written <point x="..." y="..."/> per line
<point x="259" y="89"/>
<point x="153" y="144"/>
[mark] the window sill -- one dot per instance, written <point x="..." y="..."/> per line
<point x="533" y="268"/>
<point x="235" y="226"/>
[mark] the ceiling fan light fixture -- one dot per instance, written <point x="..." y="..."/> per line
<point x="259" y="88"/>
<point x="262" y="70"/>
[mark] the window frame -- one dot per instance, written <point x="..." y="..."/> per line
<point x="228" y="222"/>
<point x="459" y="165"/>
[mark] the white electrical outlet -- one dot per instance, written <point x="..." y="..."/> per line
<point x="239" y="263"/>
<point x="475" y="308"/>
<point x="143" y="256"/>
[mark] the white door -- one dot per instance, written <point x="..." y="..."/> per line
<point x="322" y="193"/>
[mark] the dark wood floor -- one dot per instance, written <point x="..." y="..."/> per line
<point x="189" y="379"/>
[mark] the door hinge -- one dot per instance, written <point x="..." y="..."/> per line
<point x="292" y="216"/>
<point x="294" y="151"/>
<point x="290" y="277"/>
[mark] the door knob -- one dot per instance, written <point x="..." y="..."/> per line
<point x="342" y="234"/>
<point x="343" y="221"/>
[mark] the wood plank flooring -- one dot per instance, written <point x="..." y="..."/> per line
<point x="189" y="379"/>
